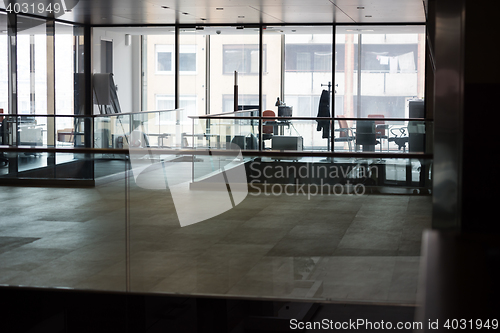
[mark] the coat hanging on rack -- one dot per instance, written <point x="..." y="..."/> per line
<point x="324" y="111"/>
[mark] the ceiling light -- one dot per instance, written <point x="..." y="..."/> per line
<point x="360" y="7"/>
<point x="219" y="8"/>
<point x="368" y="16"/>
<point x="241" y="16"/>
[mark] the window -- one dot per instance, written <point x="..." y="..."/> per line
<point x="187" y="58"/>
<point x="165" y="59"/>
<point x="391" y="58"/>
<point x="308" y="57"/>
<point x="243" y="58"/>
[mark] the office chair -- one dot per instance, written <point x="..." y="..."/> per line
<point x="268" y="130"/>
<point x="345" y="132"/>
<point x="380" y="128"/>
<point x="400" y="139"/>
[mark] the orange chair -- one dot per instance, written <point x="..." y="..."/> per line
<point x="268" y="130"/>
<point x="345" y="132"/>
<point x="380" y="129"/>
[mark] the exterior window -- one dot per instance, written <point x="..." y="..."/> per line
<point x="187" y="58"/>
<point x="243" y="58"/>
<point x="165" y="59"/>
<point x="308" y="58"/>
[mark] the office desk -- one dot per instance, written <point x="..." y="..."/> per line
<point x="278" y="126"/>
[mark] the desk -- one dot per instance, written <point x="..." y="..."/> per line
<point x="161" y="138"/>
<point x="278" y="125"/>
<point x="201" y="136"/>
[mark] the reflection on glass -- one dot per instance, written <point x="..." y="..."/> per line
<point x="379" y="70"/>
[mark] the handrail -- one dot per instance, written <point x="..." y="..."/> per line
<point x="227" y="113"/>
<point x="218" y="116"/>
<point x="206" y="152"/>
<point x="313" y="118"/>
<point x="84" y="116"/>
<point x="136" y="112"/>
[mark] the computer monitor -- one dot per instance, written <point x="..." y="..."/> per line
<point x="285" y="111"/>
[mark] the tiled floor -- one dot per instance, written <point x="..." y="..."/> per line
<point x="351" y="248"/>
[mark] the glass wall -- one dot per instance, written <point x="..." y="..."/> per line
<point x="32" y="66"/>
<point x="234" y="49"/>
<point x="158" y="61"/>
<point x="301" y="69"/>
<point x="379" y="70"/>
<point x="192" y="72"/>
<point x="4" y="66"/>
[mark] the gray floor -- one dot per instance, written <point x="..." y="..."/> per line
<point x="350" y="248"/>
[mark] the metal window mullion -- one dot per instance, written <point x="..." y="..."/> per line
<point x="261" y="75"/>
<point x="32" y="75"/>
<point x="358" y="93"/>
<point x="176" y="68"/>
<point x="282" y="74"/>
<point x="207" y="75"/>
<point x="332" y="127"/>
<point x="12" y="63"/>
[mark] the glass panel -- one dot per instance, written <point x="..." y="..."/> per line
<point x="379" y="70"/>
<point x="380" y="135"/>
<point x="142" y="63"/>
<point x="192" y="79"/>
<point x="69" y="84"/>
<point x="308" y="67"/>
<point x="158" y="67"/>
<point x="282" y="229"/>
<point x="4" y="69"/>
<point x="233" y="49"/>
<point x="74" y="240"/>
<point x="32" y="66"/>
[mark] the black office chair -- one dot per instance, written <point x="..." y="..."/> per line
<point x="400" y="139"/>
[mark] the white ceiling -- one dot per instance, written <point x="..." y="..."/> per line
<point x="125" y="12"/>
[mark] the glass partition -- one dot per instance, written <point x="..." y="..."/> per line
<point x="276" y="226"/>
<point x="234" y="49"/>
<point x="69" y="71"/>
<point x="379" y="70"/>
<point x="4" y="67"/>
<point x="249" y="224"/>
<point x="197" y="207"/>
